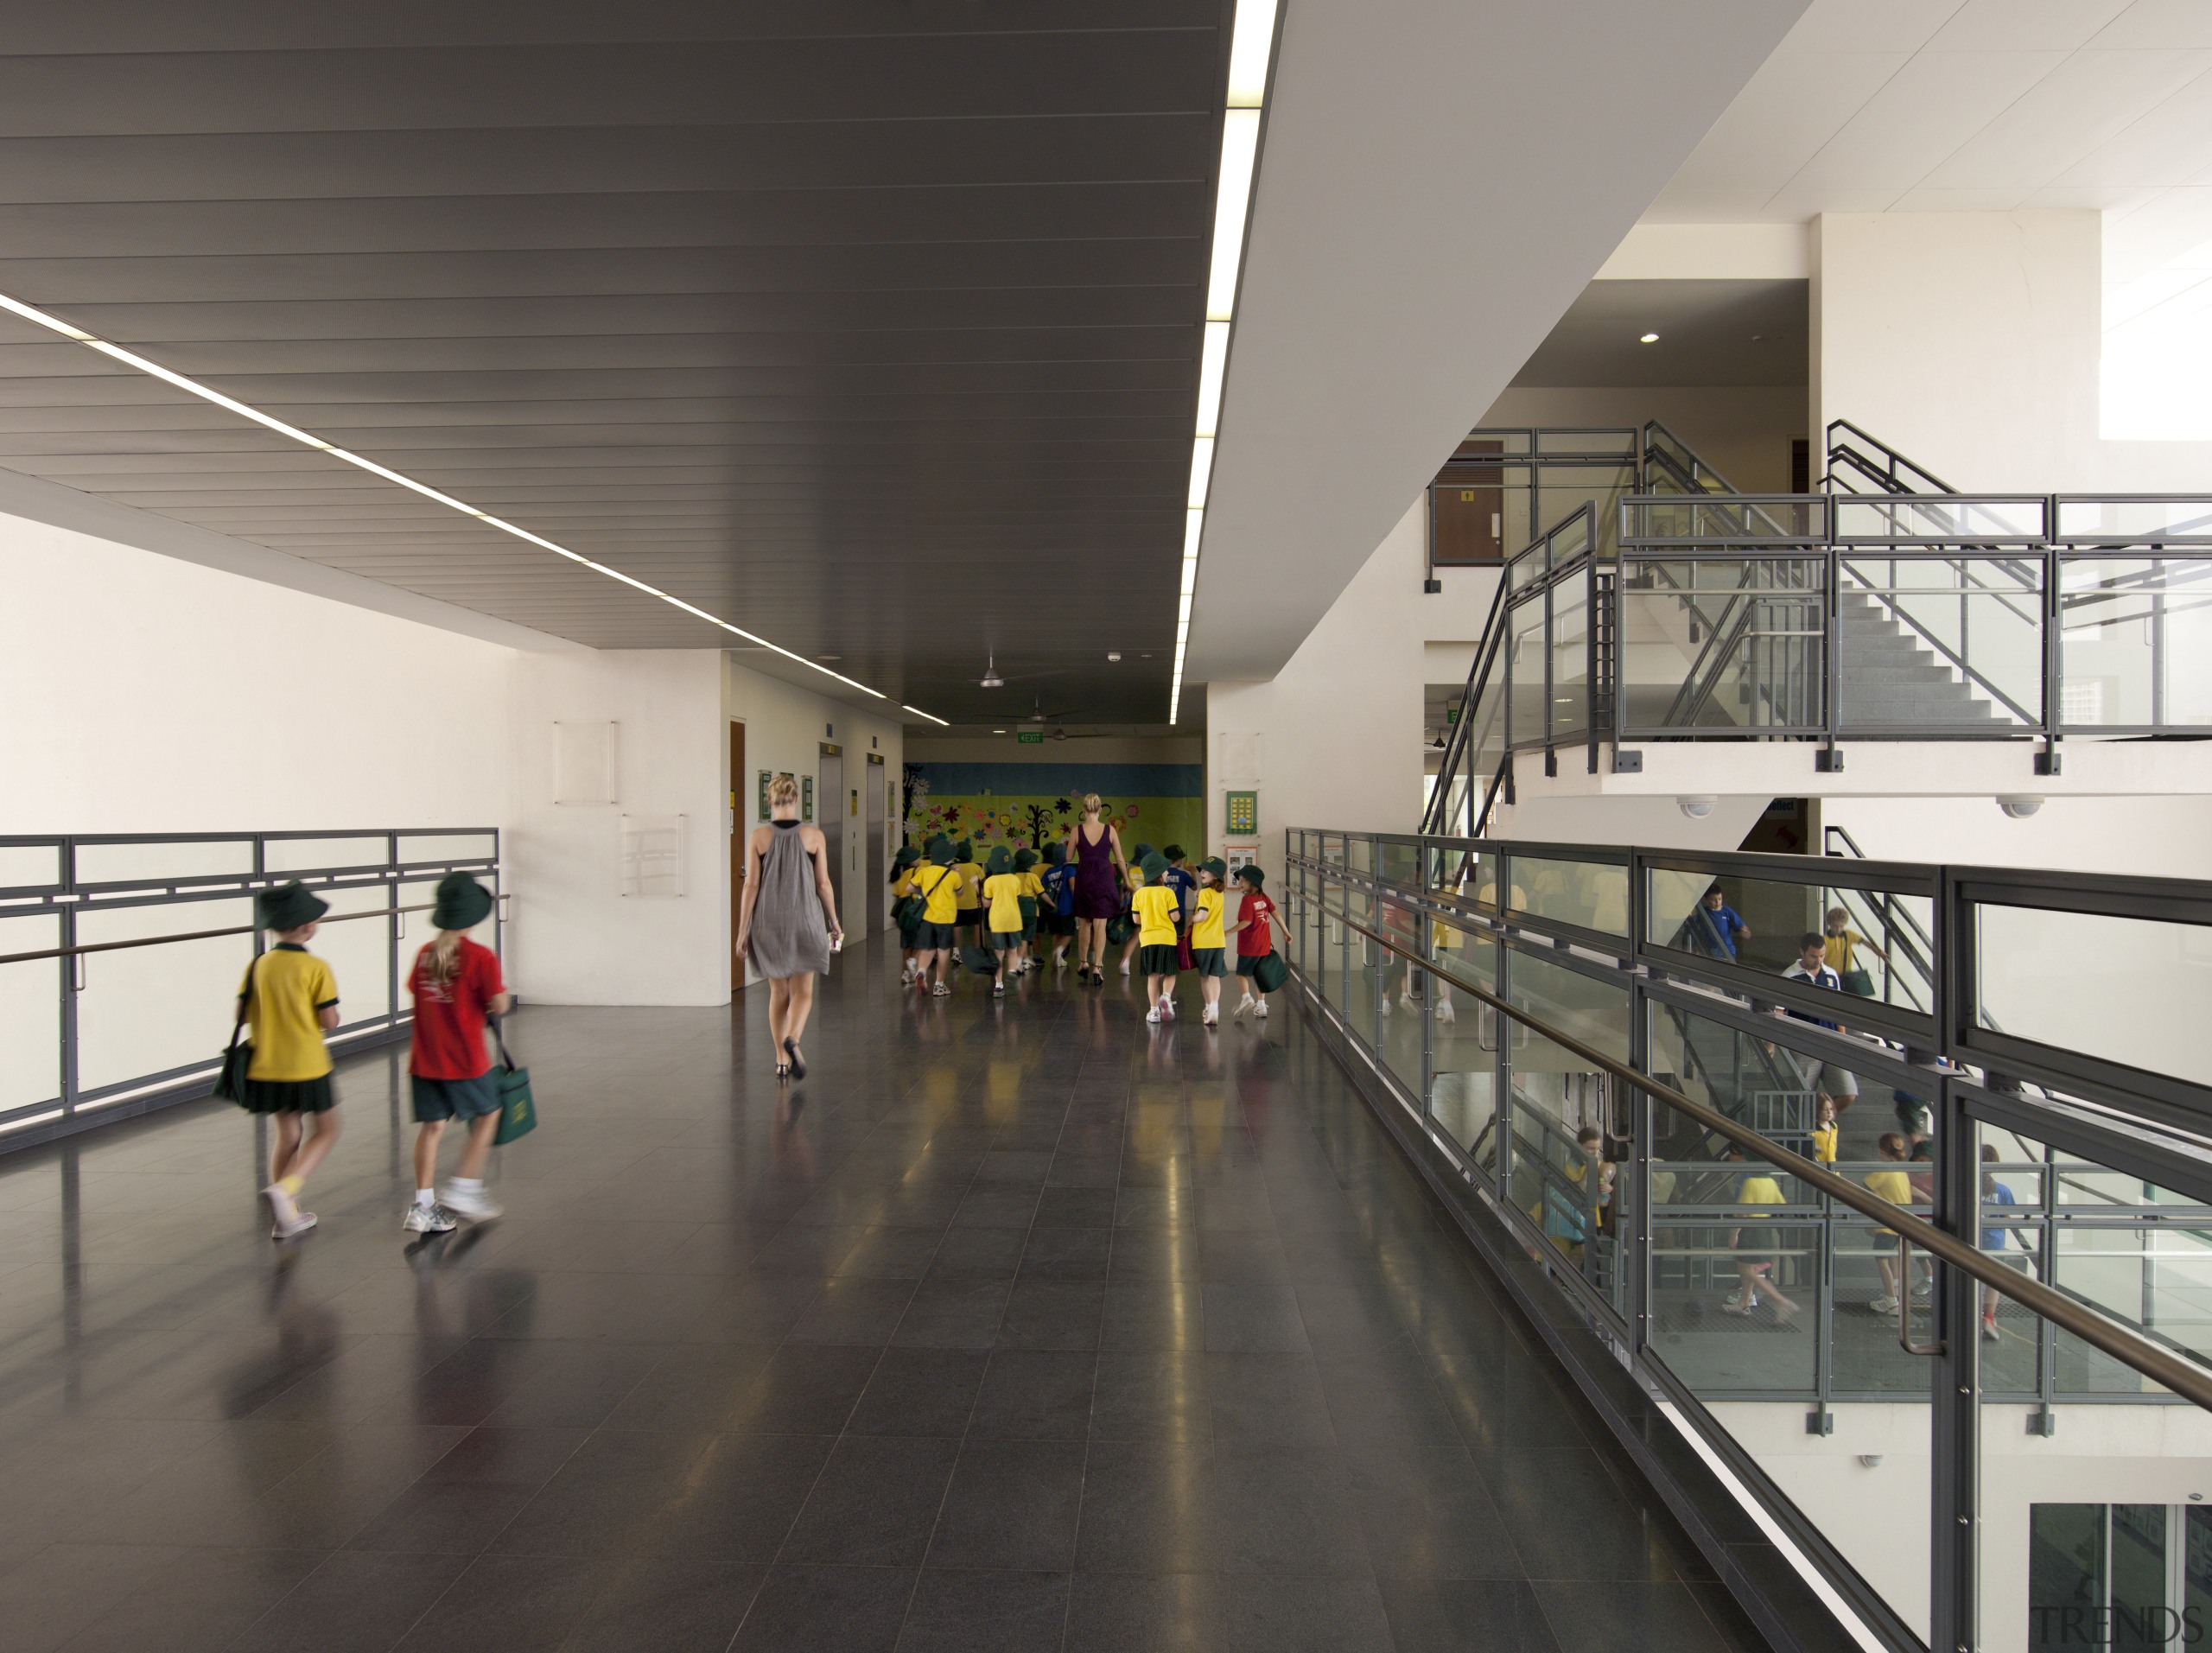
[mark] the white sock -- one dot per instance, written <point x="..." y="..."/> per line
<point x="466" y="1184"/>
<point x="426" y="1197"/>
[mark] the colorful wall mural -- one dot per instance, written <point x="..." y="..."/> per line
<point x="1030" y="805"/>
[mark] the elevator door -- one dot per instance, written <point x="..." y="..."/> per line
<point x="830" y="816"/>
<point x="879" y="902"/>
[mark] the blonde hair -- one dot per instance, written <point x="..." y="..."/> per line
<point x="442" y="959"/>
<point x="1090" y="804"/>
<point x="781" y="790"/>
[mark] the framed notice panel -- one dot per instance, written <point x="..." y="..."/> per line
<point x="806" y="797"/>
<point x="1240" y="814"/>
<point x="761" y="813"/>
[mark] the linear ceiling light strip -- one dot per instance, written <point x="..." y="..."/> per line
<point x="1251" y="46"/>
<point x="54" y="324"/>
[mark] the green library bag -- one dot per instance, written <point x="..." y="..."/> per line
<point x="1271" y="972"/>
<point x="517" y="1110"/>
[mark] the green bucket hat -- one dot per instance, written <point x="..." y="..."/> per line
<point x="1056" y="854"/>
<point x="463" y="903"/>
<point x="1216" y="866"/>
<point x="1251" y="875"/>
<point x="287" y="906"/>
<point x="1024" y="860"/>
<point x="1137" y="853"/>
<point x="999" y="862"/>
<point x="1173" y="852"/>
<point x="1154" y="866"/>
<point x="941" y="851"/>
<point x="965" y="849"/>
<point x="907" y="857"/>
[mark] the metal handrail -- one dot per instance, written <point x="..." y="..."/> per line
<point x="190" y="935"/>
<point x="2137" y="1353"/>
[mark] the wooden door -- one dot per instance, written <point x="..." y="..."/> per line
<point x="740" y="830"/>
<point x="1468" y="507"/>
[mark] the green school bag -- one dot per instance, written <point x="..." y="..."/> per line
<point x="517" y="1109"/>
<point x="237" y="1057"/>
<point x="1120" y="928"/>
<point x="1271" y="972"/>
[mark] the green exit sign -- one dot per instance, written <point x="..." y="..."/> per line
<point x="1030" y="737"/>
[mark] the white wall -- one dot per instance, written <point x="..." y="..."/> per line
<point x="1742" y="431"/>
<point x="1973" y="342"/>
<point x="1334" y="739"/>
<point x="143" y="692"/>
<point x="139" y="693"/>
<point x="574" y="937"/>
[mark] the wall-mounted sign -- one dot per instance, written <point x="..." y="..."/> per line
<point x="1241" y="814"/>
<point x="1029" y="737"/>
<point x="760" y="813"/>
<point x="806" y="797"/>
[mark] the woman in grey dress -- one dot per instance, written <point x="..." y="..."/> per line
<point x="788" y="919"/>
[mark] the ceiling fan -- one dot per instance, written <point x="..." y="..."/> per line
<point x="1040" y="715"/>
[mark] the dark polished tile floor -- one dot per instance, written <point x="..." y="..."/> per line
<point x="1018" y="1325"/>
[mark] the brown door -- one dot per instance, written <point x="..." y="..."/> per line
<point x="1468" y="507"/>
<point x="740" y="828"/>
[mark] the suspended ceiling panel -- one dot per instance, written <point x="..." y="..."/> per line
<point x="871" y="328"/>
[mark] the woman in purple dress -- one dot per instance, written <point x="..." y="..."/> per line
<point x="1094" y="847"/>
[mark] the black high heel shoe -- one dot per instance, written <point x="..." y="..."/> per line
<point x="797" y="1062"/>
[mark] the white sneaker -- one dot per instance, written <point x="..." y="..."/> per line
<point x="429" y="1219"/>
<point x="1242" y="1005"/>
<point x="284" y="1209"/>
<point x="472" y="1203"/>
<point x="1443" y="1010"/>
<point x="1152" y="1014"/>
<point x="1884" y="1305"/>
<point x="1261" y="1010"/>
<point x="1385" y="1005"/>
<point x="1211" y="1017"/>
<point x="1166" y="1009"/>
<point x="300" y="1223"/>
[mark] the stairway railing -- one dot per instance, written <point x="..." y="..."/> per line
<point x="2009" y="604"/>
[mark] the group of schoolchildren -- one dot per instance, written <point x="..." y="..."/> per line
<point x="1176" y="915"/>
<point x="289" y="1000"/>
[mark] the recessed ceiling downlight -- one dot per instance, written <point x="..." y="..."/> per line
<point x="1649" y="338"/>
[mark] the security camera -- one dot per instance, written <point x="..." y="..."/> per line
<point x="2019" y="807"/>
<point x="1697" y="807"/>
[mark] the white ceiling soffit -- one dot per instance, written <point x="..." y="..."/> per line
<point x="1438" y="180"/>
<point x="1974" y="106"/>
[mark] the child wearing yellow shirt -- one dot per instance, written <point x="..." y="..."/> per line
<point x="288" y="1000"/>
<point x="1208" y="944"/>
<point x="938" y="884"/>
<point x="1033" y="887"/>
<point x="1158" y="909"/>
<point x="1002" y="890"/>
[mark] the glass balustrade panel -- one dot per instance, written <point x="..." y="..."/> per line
<point x="153" y="864"/>
<point x="152" y="1009"/>
<point x="1570" y="646"/>
<point x="2136" y="643"/>
<point x="1591" y="895"/>
<point x="1524" y="642"/>
<point x="30" y="1013"/>
<point x="1936" y="642"/>
<point x="1721" y="644"/>
<point x="2092" y="1516"/>
<point x="1762" y="923"/>
<point x="2129" y="990"/>
<point x="1463" y="1088"/>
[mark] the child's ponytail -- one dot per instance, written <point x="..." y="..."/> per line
<point x="442" y="959"/>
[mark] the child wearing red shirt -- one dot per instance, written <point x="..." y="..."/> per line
<point x="1254" y="938"/>
<point x="457" y="988"/>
